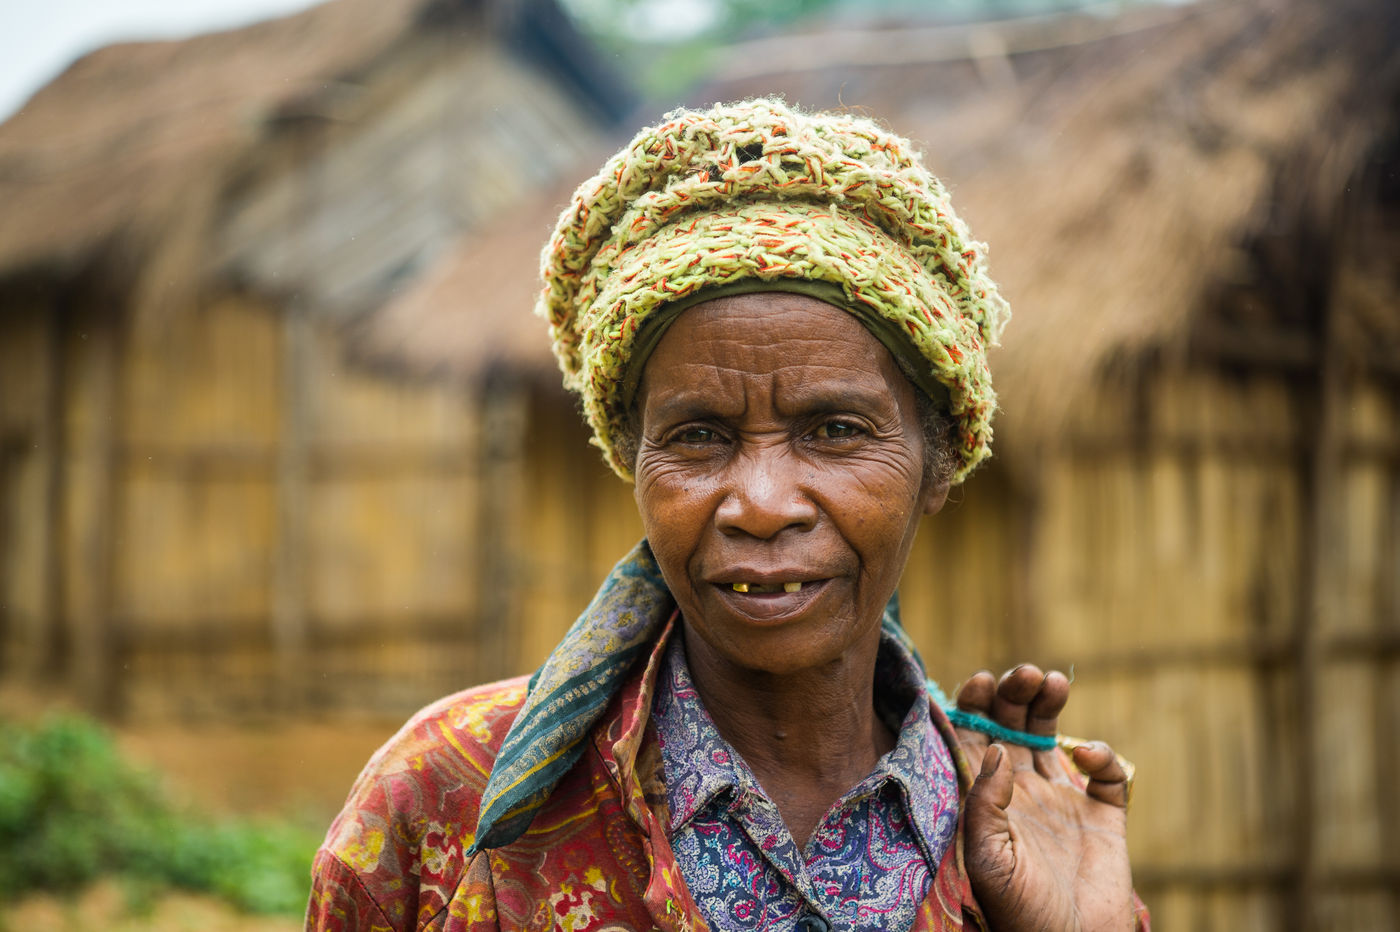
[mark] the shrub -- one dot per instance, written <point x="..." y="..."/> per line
<point x="72" y="809"/>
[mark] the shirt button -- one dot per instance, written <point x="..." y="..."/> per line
<point x="813" y="924"/>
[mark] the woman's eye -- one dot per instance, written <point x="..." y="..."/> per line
<point x="696" y="435"/>
<point x="837" y="430"/>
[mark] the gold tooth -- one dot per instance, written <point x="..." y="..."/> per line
<point x="792" y="586"/>
<point x="740" y="586"/>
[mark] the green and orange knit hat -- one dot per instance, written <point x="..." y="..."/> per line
<point x="756" y="196"/>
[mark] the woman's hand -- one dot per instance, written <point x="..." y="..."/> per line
<point x="1041" y="852"/>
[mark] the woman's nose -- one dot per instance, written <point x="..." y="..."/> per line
<point x="765" y="494"/>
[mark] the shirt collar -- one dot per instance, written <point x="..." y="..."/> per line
<point x="701" y="766"/>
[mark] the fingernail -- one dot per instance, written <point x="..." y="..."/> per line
<point x="991" y="760"/>
<point x="1092" y="747"/>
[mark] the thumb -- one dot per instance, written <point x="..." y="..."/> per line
<point x="987" y="824"/>
<point x="989" y="852"/>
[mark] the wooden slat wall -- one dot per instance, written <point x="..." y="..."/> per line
<point x="181" y="424"/>
<point x="959" y="596"/>
<point x="1357" y="754"/>
<point x="92" y="477"/>
<point x="581" y="521"/>
<point x="200" y="514"/>
<point x="1170" y="573"/>
<point x="27" y="449"/>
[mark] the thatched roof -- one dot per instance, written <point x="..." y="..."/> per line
<point x="491" y="278"/>
<point x="131" y="148"/>
<point x="117" y="142"/>
<point x="1119" y="168"/>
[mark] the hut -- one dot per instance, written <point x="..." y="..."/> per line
<point x="1195" y="503"/>
<point x="207" y="507"/>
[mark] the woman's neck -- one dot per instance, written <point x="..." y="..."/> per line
<point x="808" y="736"/>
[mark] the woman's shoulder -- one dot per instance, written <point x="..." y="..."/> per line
<point x="463" y="729"/>
<point x="411" y="814"/>
<point x="446" y="749"/>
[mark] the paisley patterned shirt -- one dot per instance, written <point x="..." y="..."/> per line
<point x="871" y="860"/>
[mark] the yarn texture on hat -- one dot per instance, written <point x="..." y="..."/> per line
<point x="759" y="191"/>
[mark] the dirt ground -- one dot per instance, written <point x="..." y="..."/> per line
<point x="105" y="907"/>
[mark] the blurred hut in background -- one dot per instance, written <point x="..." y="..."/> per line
<point x="206" y="508"/>
<point x="1195" y="504"/>
<point x="253" y="460"/>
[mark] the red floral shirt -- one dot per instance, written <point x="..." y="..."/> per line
<point x="596" y="856"/>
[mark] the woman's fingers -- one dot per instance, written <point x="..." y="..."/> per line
<point x="1014" y="693"/>
<point x="1108" y="781"/>
<point x="1024" y="699"/>
<point x="990" y="795"/>
<point x="975" y="696"/>
<point x="1043" y="718"/>
<point x="1043" y="714"/>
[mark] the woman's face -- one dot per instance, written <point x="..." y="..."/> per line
<point x="780" y="478"/>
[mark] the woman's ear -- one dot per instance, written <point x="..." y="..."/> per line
<point x="936" y="495"/>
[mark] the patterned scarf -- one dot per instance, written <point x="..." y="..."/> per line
<point x="569" y="693"/>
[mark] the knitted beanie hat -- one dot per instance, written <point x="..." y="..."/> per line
<point x="757" y="196"/>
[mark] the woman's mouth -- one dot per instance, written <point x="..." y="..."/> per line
<point x="759" y="588"/>
<point x="772" y="600"/>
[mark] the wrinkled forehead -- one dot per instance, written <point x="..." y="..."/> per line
<point x="809" y="318"/>
<point x="787" y="354"/>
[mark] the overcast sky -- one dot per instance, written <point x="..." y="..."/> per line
<point x="39" y="38"/>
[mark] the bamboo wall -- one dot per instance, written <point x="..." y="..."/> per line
<point x="580" y="521"/>
<point x="1230" y="617"/>
<point x="240" y="524"/>
<point x="27" y="435"/>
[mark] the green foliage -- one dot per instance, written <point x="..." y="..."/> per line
<point x="71" y="810"/>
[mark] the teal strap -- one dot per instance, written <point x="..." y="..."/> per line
<point x="975" y="722"/>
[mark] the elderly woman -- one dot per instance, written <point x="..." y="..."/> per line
<point x="778" y="328"/>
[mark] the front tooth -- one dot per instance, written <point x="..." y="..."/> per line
<point x="740" y="586"/>
<point x="792" y="586"/>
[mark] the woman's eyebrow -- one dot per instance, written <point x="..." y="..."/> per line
<point x="685" y="405"/>
<point x="795" y="401"/>
<point x="807" y="399"/>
